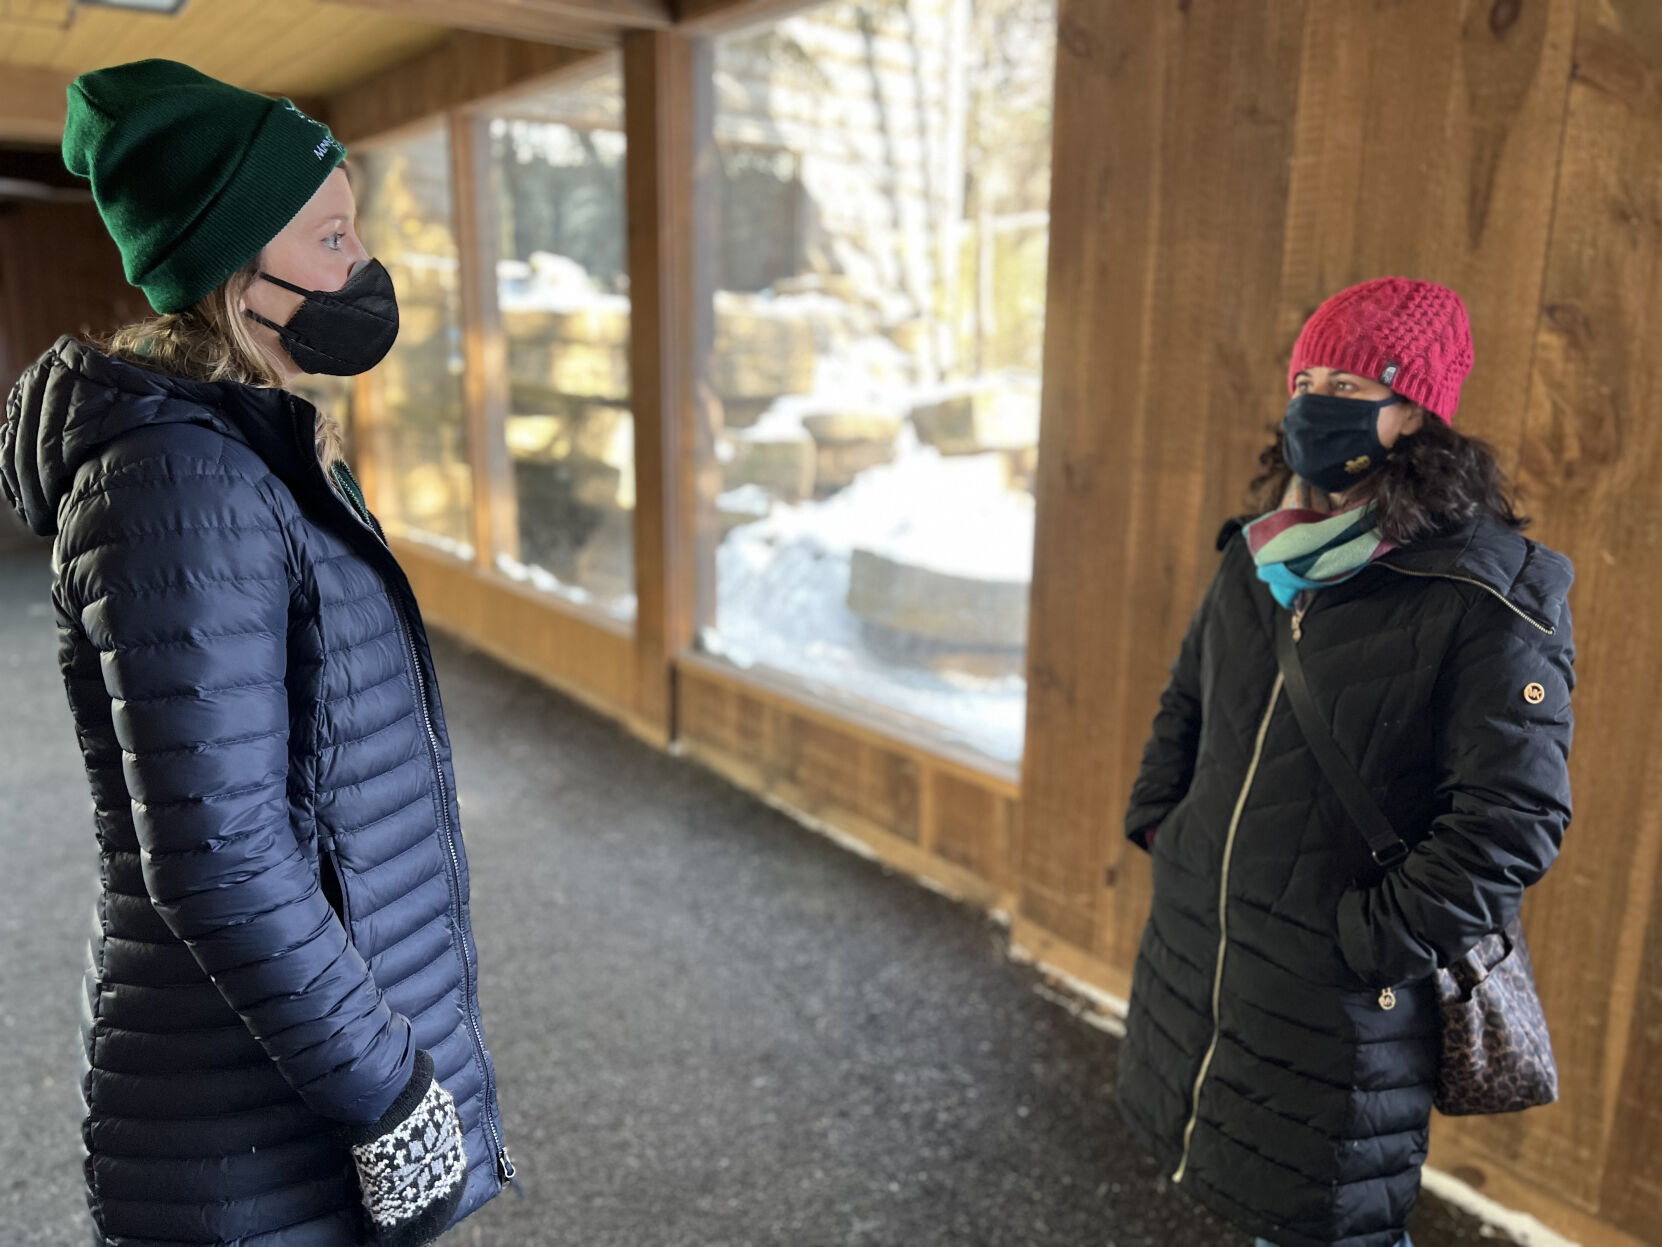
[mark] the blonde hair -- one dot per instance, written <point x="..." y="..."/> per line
<point x="213" y="341"/>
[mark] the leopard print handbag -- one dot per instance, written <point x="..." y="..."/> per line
<point x="1497" y="1055"/>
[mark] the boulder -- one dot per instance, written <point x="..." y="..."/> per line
<point x="949" y="608"/>
<point x="747" y="504"/>
<point x="763" y="348"/>
<point x="972" y="419"/>
<point x="594" y="442"/>
<point x="847" y="442"/>
<point x="741" y="413"/>
<point x="778" y="460"/>
<point x="584" y="369"/>
<point x="598" y="324"/>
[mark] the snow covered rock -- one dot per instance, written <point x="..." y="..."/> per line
<point x="779" y="459"/>
<point x="973" y="418"/>
<point x="847" y="442"/>
<point x="960" y="608"/>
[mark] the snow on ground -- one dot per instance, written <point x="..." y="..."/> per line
<point x="783" y="589"/>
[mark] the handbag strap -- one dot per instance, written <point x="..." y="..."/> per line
<point x="1386" y="846"/>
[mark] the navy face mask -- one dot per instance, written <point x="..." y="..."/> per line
<point x="1334" y="442"/>
<point x="340" y="332"/>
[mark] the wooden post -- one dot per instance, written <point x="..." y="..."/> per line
<point x="666" y="86"/>
<point x="369" y="452"/>
<point x="485" y="381"/>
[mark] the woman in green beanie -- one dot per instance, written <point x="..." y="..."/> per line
<point x="283" y="1041"/>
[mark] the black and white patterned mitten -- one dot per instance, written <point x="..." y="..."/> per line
<point x="412" y="1164"/>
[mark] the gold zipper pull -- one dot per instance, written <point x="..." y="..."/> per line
<point x="1388" y="999"/>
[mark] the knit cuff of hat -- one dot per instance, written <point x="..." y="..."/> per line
<point x="285" y="162"/>
<point x="1332" y="346"/>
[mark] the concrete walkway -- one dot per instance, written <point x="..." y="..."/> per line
<point x="711" y="1027"/>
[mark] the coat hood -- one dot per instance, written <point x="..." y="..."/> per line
<point x="1534" y="580"/>
<point x="75" y="400"/>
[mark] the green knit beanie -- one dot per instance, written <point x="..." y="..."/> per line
<point x="191" y="175"/>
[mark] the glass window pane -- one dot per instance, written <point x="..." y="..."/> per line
<point x="420" y="435"/>
<point x="879" y="321"/>
<point x="562" y="285"/>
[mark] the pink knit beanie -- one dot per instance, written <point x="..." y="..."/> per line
<point x="1410" y="335"/>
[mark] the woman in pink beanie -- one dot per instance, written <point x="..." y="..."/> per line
<point x="1360" y="764"/>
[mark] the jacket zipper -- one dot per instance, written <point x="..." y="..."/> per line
<point x="505" y="1169"/>
<point x="1489" y="589"/>
<point x="504" y="1163"/>
<point x="1223" y="912"/>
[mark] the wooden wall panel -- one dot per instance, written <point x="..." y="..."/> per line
<point x="1591" y="460"/>
<point x="1160" y="377"/>
<point x="1439" y="166"/>
<point x="1102" y="243"/>
<point x="912" y="809"/>
<point x="1280" y="153"/>
<point x="971" y="826"/>
<point x="59" y="273"/>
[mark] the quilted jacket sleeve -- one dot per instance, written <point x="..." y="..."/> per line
<point x="1169" y="756"/>
<point x="179" y="573"/>
<point x="1502" y="753"/>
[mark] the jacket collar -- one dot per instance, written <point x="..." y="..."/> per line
<point x="1531" y="579"/>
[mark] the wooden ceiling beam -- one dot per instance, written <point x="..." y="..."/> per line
<point x="633" y="14"/>
<point x="509" y="19"/>
<point x="467" y="71"/>
<point x="32" y="104"/>
<point x="715" y="17"/>
<point x="574" y="23"/>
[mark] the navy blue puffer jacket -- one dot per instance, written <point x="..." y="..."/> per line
<point x="284" y="910"/>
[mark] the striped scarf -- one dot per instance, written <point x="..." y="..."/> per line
<point x="1298" y="549"/>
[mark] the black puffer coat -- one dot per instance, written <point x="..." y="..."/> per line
<point x="284" y="911"/>
<point x="1260" y="1063"/>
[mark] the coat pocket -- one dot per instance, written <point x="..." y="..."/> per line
<point x="332" y="879"/>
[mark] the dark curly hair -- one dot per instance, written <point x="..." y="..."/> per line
<point x="1432" y="480"/>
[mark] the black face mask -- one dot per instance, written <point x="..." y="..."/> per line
<point x="1334" y="442"/>
<point x="340" y="332"/>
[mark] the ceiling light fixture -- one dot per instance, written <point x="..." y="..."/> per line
<point x="162" y="8"/>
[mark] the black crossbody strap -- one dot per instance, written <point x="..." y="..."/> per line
<point x="1387" y="847"/>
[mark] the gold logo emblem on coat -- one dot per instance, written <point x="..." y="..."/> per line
<point x="1359" y="464"/>
<point x="1534" y="694"/>
<point x="1388" y="999"/>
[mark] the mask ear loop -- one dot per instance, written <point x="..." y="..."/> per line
<point x="286" y="285"/>
<point x="289" y="285"/>
<point x="269" y="324"/>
